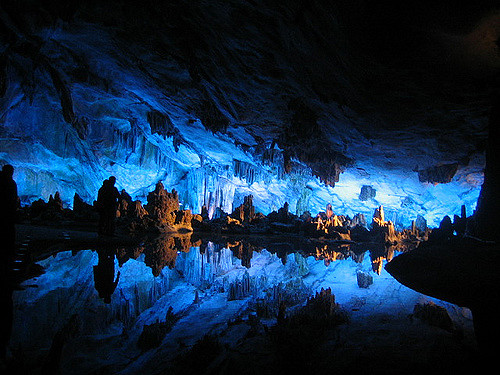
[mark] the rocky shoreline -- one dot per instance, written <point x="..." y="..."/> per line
<point x="162" y="215"/>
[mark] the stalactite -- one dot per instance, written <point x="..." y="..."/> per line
<point x="64" y="93"/>
<point x="3" y="75"/>
<point x="245" y="171"/>
<point x="303" y="201"/>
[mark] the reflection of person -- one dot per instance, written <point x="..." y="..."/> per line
<point x="104" y="275"/>
<point x="8" y="205"/>
<point x="107" y="204"/>
<point x="7" y="306"/>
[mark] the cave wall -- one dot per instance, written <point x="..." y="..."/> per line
<point x="223" y="99"/>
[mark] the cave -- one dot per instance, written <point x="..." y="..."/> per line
<point x="295" y="186"/>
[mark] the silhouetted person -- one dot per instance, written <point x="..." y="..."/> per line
<point x="104" y="275"/>
<point x="107" y="204"/>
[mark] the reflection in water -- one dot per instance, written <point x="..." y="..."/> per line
<point x="205" y="282"/>
<point x="104" y="274"/>
<point x="6" y="311"/>
<point x="160" y="252"/>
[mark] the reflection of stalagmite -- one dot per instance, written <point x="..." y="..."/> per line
<point x="152" y="334"/>
<point x="390" y="254"/>
<point x="328" y="255"/>
<point x="240" y="288"/>
<point x="364" y="279"/>
<point x="322" y="305"/>
<point x="377" y="265"/>
<point x="162" y="251"/>
<point x="243" y="251"/>
<point x="53" y="360"/>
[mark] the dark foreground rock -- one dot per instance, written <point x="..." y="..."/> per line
<point x="433" y="315"/>
<point x="462" y="271"/>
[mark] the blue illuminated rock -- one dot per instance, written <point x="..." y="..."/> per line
<point x="367" y="192"/>
<point x="218" y="127"/>
<point x="421" y="223"/>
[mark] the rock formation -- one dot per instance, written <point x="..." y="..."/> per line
<point x="440" y="174"/>
<point x="367" y="192"/>
<point x="83" y="211"/>
<point x="162" y="205"/>
<point x="136" y="210"/>
<point x="364" y="279"/>
<point x="488" y="205"/>
<point x="384" y="230"/>
<point x="164" y="211"/>
<point x="433" y="315"/>
<point x="162" y="214"/>
<point x="152" y="334"/>
<point x="124" y="204"/>
<point x="245" y="213"/>
<point x="421" y="223"/>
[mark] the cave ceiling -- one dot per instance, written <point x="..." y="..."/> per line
<point x="382" y="92"/>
